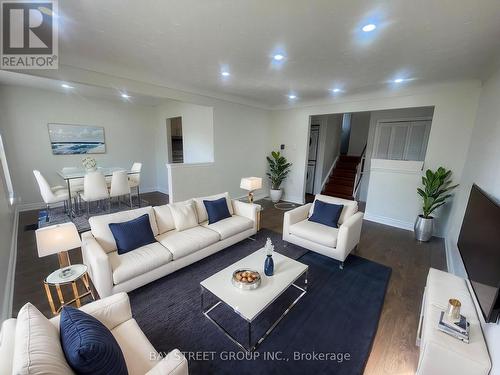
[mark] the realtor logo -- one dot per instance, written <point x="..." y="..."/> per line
<point x="29" y="35"/>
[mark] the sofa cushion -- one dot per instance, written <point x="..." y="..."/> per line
<point x="230" y="226"/>
<point x="164" y="218"/>
<point x="202" y="211"/>
<point x="89" y="346"/>
<point x="138" y="352"/>
<point x="188" y="241"/>
<point x="319" y="233"/>
<point x="138" y="262"/>
<point x="99" y="225"/>
<point x="216" y="210"/>
<point x="132" y="234"/>
<point x="37" y="348"/>
<point x="326" y="213"/>
<point x="184" y="215"/>
<point x="350" y="207"/>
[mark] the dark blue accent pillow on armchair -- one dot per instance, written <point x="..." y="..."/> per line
<point x="132" y="234"/>
<point x="89" y="347"/>
<point x="326" y="213"/>
<point x="217" y="210"/>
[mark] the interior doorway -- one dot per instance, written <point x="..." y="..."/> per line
<point x="174" y="140"/>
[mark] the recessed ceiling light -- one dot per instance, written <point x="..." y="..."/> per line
<point x="125" y="96"/>
<point x="369" y="27"/>
<point x="336" y="90"/>
<point x="278" y="57"/>
<point x="66" y="86"/>
<point x="225" y="74"/>
<point x="292" y="96"/>
<point x="399" y="80"/>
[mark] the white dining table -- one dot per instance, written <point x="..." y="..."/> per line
<point x="69" y="174"/>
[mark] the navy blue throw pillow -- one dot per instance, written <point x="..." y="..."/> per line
<point x="132" y="234"/>
<point x="326" y="213"/>
<point x="89" y="347"/>
<point x="217" y="210"/>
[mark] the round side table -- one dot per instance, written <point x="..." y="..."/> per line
<point x="64" y="276"/>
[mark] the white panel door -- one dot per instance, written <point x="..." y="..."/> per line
<point x="402" y="140"/>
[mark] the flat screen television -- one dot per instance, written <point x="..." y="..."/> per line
<point x="479" y="246"/>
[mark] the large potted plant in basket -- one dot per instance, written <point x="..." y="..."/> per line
<point x="434" y="194"/>
<point x="279" y="168"/>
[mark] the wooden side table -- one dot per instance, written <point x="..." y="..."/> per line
<point x="65" y="276"/>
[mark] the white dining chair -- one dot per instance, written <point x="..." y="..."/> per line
<point x="134" y="179"/>
<point x="51" y="195"/>
<point x="94" y="190"/>
<point x="120" y="186"/>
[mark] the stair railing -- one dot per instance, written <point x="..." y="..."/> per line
<point x="359" y="172"/>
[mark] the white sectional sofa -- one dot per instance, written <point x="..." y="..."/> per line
<point x="113" y="273"/>
<point x="335" y="243"/>
<point x="38" y="354"/>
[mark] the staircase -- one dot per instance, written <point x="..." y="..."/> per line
<point x="342" y="181"/>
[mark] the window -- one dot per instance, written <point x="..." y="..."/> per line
<point x="401" y="140"/>
<point x="6" y="173"/>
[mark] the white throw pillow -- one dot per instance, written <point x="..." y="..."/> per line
<point x="37" y="347"/>
<point x="184" y="215"/>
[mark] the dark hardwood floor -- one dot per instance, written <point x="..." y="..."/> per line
<point x="394" y="350"/>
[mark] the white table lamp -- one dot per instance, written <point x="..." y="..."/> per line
<point x="58" y="239"/>
<point x="251" y="184"/>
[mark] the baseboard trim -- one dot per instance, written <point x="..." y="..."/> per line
<point x="11" y="270"/>
<point x="389" y="221"/>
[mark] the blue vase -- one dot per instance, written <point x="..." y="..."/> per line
<point x="269" y="266"/>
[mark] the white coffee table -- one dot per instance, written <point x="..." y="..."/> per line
<point x="249" y="304"/>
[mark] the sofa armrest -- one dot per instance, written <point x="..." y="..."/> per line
<point x="110" y="311"/>
<point x="248" y="210"/>
<point x="7" y="336"/>
<point x="99" y="268"/>
<point x="173" y="364"/>
<point x="349" y="234"/>
<point x="294" y="216"/>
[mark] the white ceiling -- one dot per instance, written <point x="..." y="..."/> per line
<point x="78" y="89"/>
<point x="184" y="43"/>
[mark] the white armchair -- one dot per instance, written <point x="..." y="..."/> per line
<point x="115" y="313"/>
<point x="335" y="243"/>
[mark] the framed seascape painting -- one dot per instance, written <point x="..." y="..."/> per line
<point x="66" y="139"/>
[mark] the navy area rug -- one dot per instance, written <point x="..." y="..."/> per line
<point x="329" y="331"/>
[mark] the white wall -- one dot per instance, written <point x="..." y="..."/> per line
<point x="481" y="167"/>
<point x="375" y="116"/>
<point x="240" y="145"/>
<point x="128" y="129"/>
<point x="6" y="227"/>
<point x="455" y="108"/>
<point x="197" y="135"/>
<point x="360" y="124"/>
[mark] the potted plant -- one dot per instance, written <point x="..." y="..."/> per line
<point x="435" y="193"/>
<point x="279" y="168"/>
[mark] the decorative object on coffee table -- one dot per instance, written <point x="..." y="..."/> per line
<point x="434" y="195"/>
<point x="454" y="308"/>
<point x="251" y="184"/>
<point x="269" y="263"/>
<point x="246" y="279"/>
<point x="279" y="168"/>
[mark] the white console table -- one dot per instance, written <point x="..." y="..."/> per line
<point x="440" y="353"/>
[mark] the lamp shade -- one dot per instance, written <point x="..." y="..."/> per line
<point x="57" y="238"/>
<point x="251" y="183"/>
